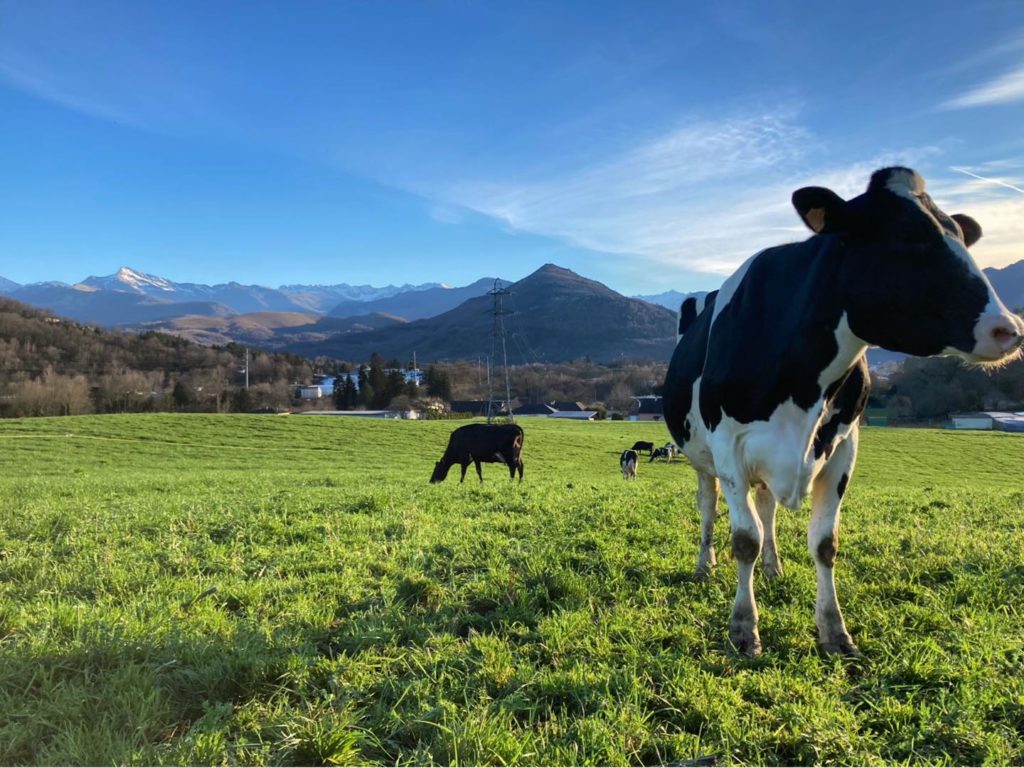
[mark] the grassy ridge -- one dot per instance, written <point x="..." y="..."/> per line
<point x="203" y="589"/>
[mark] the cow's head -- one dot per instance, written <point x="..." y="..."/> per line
<point x="440" y="471"/>
<point x="909" y="283"/>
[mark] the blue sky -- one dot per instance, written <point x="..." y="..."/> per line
<point x="651" y="146"/>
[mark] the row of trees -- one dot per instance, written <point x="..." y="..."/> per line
<point x="378" y="384"/>
<point x="612" y="384"/>
<point x="921" y="389"/>
<point x="929" y="389"/>
<point x="51" y="367"/>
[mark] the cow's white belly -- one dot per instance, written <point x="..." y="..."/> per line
<point x="778" y="452"/>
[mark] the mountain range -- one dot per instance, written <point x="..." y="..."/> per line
<point x="129" y="297"/>
<point x="1009" y="283"/>
<point x="670" y="299"/>
<point x="552" y="315"/>
<point x="415" y="304"/>
<point x="268" y="330"/>
<point x="248" y="298"/>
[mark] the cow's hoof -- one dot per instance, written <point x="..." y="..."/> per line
<point x="703" y="573"/>
<point x="773" y="570"/>
<point x="841" y="647"/>
<point x="746" y="643"/>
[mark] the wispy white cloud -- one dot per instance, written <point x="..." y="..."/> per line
<point x="1004" y="89"/>
<point x="447" y="214"/>
<point x="48" y="89"/>
<point x="1002" y="221"/>
<point x="700" y="198"/>
<point x="995" y="201"/>
<point x="990" y="180"/>
<point x="675" y="198"/>
<point x="1008" y="46"/>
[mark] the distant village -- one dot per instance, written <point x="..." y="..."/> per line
<point x="642" y="407"/>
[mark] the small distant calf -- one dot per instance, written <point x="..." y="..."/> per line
<point x="641" y="445"/>
<point x="482" y="442"/>
<point x="628" y="464"/>
<point x="667" y="453"/>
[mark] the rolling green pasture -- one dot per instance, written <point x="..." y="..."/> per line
<point x="291" y="590"/>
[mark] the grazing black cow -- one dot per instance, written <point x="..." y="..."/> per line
<point x="641" y="445"/>
<point x="482" y="443"/>
<point x="768" y="381"/>
<point x="627" y="463"/>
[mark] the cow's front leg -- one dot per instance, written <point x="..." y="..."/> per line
<point x="464" y="465"/>
<point x="746" y="546"/>
<point x="823" y="541"/>
<point x="707" y="505"/>
<point x="764" y="501"/>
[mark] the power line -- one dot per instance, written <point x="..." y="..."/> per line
<point x="529" y="354"/>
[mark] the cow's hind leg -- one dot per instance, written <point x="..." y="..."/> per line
<point x="707" y="505"/>
<point x="519" y="467"/>
<point x="479" y="472"/>
<point x="823" y="541"/>
<point x="764" y="501"/>
<point x="746" y="546"/>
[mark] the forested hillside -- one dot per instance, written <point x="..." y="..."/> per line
<point x="52" y="366"/>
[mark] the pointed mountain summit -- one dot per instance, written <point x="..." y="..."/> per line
<point x="552" y="315"/>
<point x="127" y="279"/>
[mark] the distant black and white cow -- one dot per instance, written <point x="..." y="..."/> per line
<point x="661" y="453"/>
<point x="482" y="443"/>
<point x="627" y="463"/>
<point x="768" y="381"/>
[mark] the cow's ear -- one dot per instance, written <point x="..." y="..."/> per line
<point x="822" y="210"/>
<point x="687" y="314"/>
<point x="970" y="228"/>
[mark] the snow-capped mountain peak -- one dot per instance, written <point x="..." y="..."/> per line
<point x="142" y="280"/>
<point x="126" y="279"/>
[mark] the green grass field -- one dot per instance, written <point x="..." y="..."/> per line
<point x="291" y="590"/>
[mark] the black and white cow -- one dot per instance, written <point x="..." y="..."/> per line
<point x="661" y="453"/>
<point x="768" y="381"/>
<point x="627" y="463"/>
